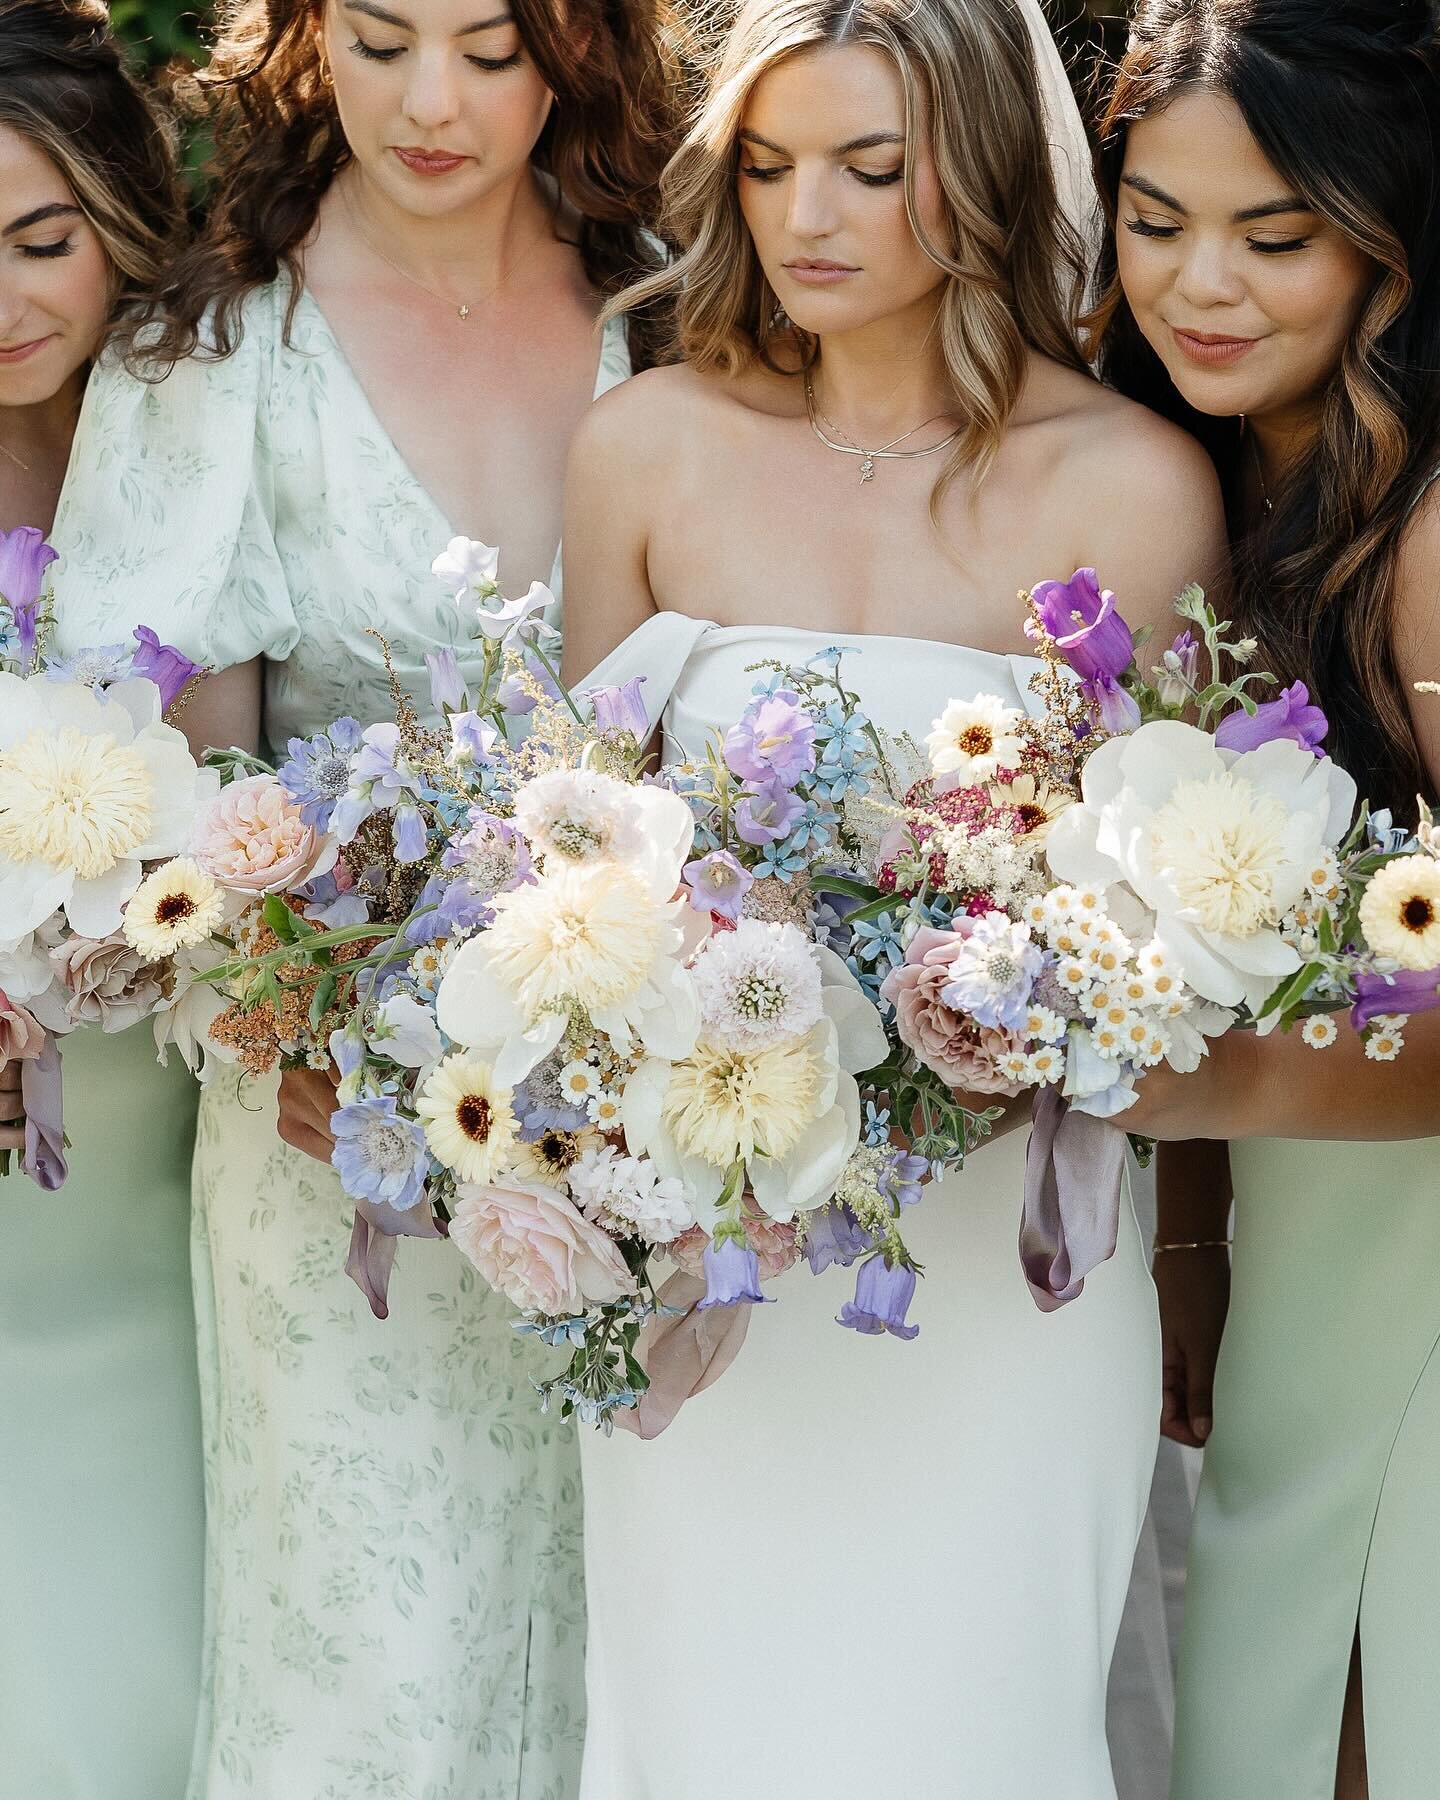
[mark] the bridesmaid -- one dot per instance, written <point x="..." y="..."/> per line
<point x="386" y="336"/>
<point x="1272" y="169"/>
<point x="101" y="1511"/>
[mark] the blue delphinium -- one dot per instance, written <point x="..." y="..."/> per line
<point x="378" y="1155"/>
<point x="882" y="1294"/>
<point x="317" y="774"/>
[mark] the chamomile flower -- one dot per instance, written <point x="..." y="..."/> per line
<point x="1390" y="1021"/>
<point x="1045" y="1066"/>
<point x="1322" y="880"/>
<point x="1383" y="1046"/>
<point x="579" y="1082"/>
<point x="1040" y="1022"/>
<point x="1108" y="1040"/>
<point x="1319" y="1032"/>
<point x="1073" y="976"/>
<point x="603" y="1111"/>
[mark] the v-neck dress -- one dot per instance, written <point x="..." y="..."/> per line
<point x="394" y="1602"/>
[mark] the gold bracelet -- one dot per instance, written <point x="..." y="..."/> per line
<point x="1159" y="1249"/>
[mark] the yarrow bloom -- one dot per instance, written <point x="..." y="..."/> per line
<point x="468" y="1120"/>
<point x="758" y="985"/>
<point x="317" y="774"/>
<point x="378" y="1154"/>
<point x="175" y="908"/>
<point x="1400" y="912"/>
<point x="629" y="1196"/>
<point x="974" y="739"/>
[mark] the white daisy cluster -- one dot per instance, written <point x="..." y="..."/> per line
<point x="1324" y="897"/>
<point x="595" y="1080"/>
<point x="629" y="1196"/>
<point x="1125" y="1003"/>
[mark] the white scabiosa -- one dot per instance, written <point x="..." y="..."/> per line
<point x="758" y="985"/>
<point x="175" y="908"/>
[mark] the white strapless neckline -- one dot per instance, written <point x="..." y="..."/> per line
<point x="859" y="1566"/>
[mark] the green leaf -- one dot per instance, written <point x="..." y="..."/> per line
<point x="322" y="999"/>
<point x="280" y="919"/>
<point x="1291" y="992"/>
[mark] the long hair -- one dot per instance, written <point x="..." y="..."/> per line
<point x="1015" y="266"/>
<point x="65" y="88"/>
<point x="279" y="144"/>
<point x="1343" y="98"/>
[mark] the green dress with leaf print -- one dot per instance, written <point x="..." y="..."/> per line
<point x="394" y="1595"/>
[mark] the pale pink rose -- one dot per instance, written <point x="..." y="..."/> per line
<point x="251" y="837"/>
<point x="962" y="1053"/>
<point x="773" y="1243"/>
<point x="533" y="1246"/>
<point x="107" y="983"/>
<point x="22" y="1036"/>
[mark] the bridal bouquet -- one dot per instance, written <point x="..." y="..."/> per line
<point x="95" y="788"/>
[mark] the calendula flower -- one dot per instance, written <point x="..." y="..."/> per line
<point x="974" y="739"/>
<point x="1319" y="1032"/>
<point x="1400" y="912"/>
<point x="468" y="1120"/>
<point x="552" y="1155"/>
<point x="1034" y="806"/>
<point x="177" y="907"/>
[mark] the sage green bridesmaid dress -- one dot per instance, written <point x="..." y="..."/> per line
<point x="102" y="1521"/>
<point x="1319" y="1506"/>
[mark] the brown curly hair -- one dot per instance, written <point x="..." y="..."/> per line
<point x="279" y="144"/>
<point x="65" y="87"/>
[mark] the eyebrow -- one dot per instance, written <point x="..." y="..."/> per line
<point x="57" y="209"/>
<point x="1287" y="203"/>
<point x="389" y="18"/>
<point x="871" y="141"/>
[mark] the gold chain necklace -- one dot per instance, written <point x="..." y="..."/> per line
<point x="1266" y="503"/>
<point x="885" y="452"/>
<point x="462" y="307"/>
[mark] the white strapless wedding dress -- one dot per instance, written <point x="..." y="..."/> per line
<point x="861" y="1567"/>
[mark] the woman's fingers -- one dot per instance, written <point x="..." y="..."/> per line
<point x="12" y="1109"/>
<point x="307" y="1101"/>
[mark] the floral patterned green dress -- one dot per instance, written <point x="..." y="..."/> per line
<point x="394" y="1601"/>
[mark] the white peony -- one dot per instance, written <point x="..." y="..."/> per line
<point x="790" y="1111"/>
<point x="90" y="789"/>
<point x="603" y="941"/>
<point x="1214" y="845"/>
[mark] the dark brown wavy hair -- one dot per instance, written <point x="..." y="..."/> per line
<point x="1343" y="98"/>
<point x="65" y="87"/>
<point x="279" y="144"/>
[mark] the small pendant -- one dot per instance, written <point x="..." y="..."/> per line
<point x="464" y="312"/>
<point x="867" y="470"/>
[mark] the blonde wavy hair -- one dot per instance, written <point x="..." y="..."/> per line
<point x="1016" y="267"/>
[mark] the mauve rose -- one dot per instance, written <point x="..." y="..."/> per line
<point x="533" y="1246"/>
<point x="962" y="1053"/>
<point x="22" y="1036"/>
<point x="252" y="836"/>
<point x="106" y="982"/>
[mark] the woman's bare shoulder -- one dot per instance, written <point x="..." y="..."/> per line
<point x="646" y="422"/>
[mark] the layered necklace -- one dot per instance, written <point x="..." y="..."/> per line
<point x="881" y="452"/>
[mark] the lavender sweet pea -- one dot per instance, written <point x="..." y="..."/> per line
<point x="1291" y="716"/>
<point x="170" y="670"/>
<point x="24" y="558"/>
<point x="883" y="1292"/>
<point x="774" y="742"/>
<point x="621" y="708"/>
<point x="1087" y="628"/>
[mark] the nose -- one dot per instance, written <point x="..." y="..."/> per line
<point x="12" y="311"/>
<point x="1207" y="275"/>
<point x="432" y="95"/>
<point x="812" y="210"/>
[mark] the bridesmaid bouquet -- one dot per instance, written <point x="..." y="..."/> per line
<point x="95" y="788"/>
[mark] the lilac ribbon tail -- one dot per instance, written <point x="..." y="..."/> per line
<point x="42" y="1092"/>
<point x="1074" y="1174"/>
<point x="682" y="1355"/>
<point x="374" y="1239"/>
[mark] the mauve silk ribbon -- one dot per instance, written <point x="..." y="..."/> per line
<point x="42" y="1093"/>
<point x="682" y="1355"/>
<point x="1074" y="1174"/>
<point x="374" y="1240"/>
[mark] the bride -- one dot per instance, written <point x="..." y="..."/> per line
<point x="856" y="1565"/>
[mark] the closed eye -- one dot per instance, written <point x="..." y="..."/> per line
<point x="494" y="63"/>
<point x="66" y="247"/>
<point x="888" y="179"/>
<point x="760" y="172"/>
<point x="1277" y="247"/>
<point x="372" y="54"/>
<point x="1142" y="228"/>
